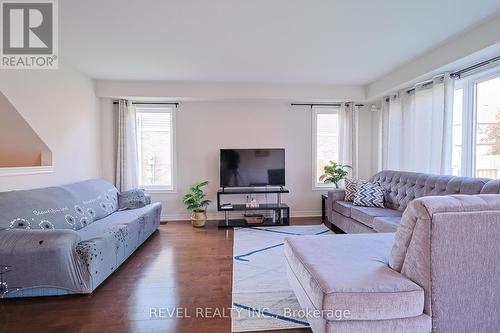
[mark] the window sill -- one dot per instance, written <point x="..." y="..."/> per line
<point x="327" y="188"/>
<point x="17" y="171"/>
<point x="160" y="191"/>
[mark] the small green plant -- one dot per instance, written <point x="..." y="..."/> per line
<point x="195" y="199"/>
<point x="334" y="173"/>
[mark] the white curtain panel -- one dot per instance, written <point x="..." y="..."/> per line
<point x="347" y="135"/>
<point x="417" y="128"/>
<point x="384" y="129"/>
<point x="126" y="160"/>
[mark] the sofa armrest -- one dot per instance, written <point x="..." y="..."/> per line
<point x="446" y="244"/>
<point x="334" y="195"/>
<point x="40" y="258"/>
<point x="20" y="241"/>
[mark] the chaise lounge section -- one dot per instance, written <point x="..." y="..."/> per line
<point x="400" y="188"/>
<point x="67" y="239"/>
<point x="438" y="272"/>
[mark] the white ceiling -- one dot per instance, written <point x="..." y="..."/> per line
<point x="331" y="41"/>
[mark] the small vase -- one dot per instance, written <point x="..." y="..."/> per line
<point x="198" y="219"/>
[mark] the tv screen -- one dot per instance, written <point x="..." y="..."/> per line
<point x="252" y="167"/>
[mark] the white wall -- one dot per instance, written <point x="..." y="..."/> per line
<point x="108" y="129"/>
<point x="478" y="43"/>
<point x="28" y="149"/>
<point x="205" y="127"/>
<point x="216" y="91"/>
<point x="61" y="107"/>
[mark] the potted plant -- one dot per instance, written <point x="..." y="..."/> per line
<point x="334" y="173"/>
<point x="197" y="204"/>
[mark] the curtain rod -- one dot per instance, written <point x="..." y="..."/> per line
<point x="424" y="83"/>
<point x="455" y="75"/>
<point x="153" y="103"/>
<point x="459" y="73"/>
<point x="313" y="104"/>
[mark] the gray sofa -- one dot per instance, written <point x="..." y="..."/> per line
<point x="400" y="189"/>
<point x="67" y="239"/>
<point x="439" y="272"/>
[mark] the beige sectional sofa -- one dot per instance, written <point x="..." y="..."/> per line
<point x="400" y="189"/>
<point x="439" y="272"/>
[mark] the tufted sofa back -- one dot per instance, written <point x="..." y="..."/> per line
<point x="402" y="187"/>
<point x="493" y="187"/>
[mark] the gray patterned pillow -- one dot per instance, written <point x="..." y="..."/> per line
<point x="132" y="199"/>
<point x="350" y="189"/>
<point x="369" y="195"/>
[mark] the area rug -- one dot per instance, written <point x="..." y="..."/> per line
<point x="262" y="297"/>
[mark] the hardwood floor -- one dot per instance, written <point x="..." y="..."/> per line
<point x="178" y="267"/>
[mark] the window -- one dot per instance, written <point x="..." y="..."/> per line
<point x="325" y="141"/>
<point x="476" y="126"/>
<point x="155" y="146"/>
<point x="487" y="152"/>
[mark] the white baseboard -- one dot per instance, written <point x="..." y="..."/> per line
<point x="306" y="213"/>
<point x="220" y="216"/>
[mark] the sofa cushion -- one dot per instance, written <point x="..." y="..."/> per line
<point x="343" y="207"/>
<point x="366" y="215"/>
<point x="110" y="241"/>
<point x="119" y="218"/>
<point x="386" y="223"/>
<point x="350" y="272"/>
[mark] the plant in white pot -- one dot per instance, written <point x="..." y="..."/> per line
<point x="197" y="203"/>
<point x="335" y="173"/>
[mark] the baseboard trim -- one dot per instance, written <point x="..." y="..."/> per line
<point x="306" y="213"/>
<point x="220" y="216"/>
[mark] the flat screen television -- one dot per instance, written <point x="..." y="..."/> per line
<point x="252" y="167"/>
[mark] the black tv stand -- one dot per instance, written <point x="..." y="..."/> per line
<point x="280" y="211"/>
